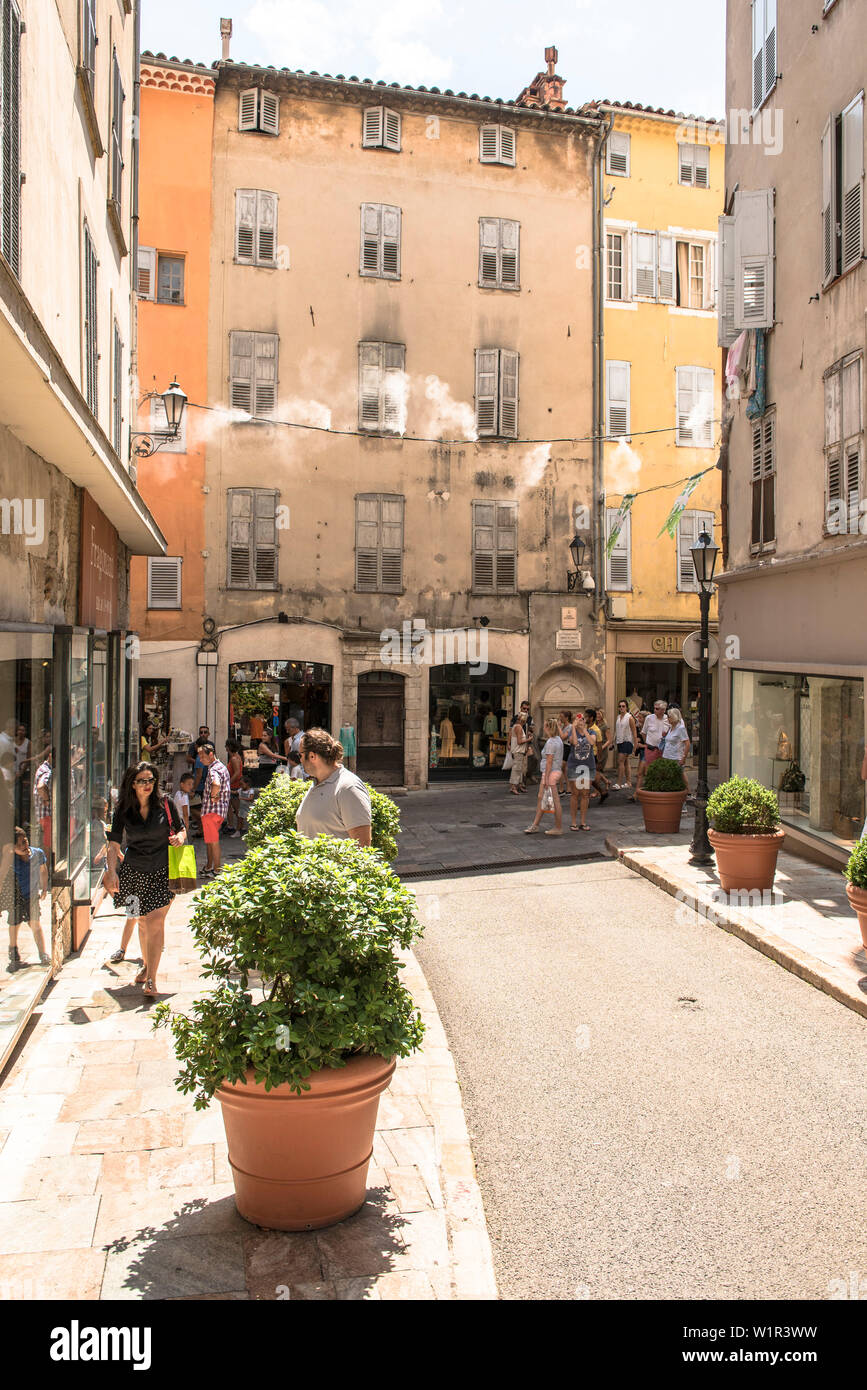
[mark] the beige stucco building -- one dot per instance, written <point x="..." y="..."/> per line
<point x="794" y="645"/>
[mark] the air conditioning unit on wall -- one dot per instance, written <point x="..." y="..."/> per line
<point x="616" y="604"/>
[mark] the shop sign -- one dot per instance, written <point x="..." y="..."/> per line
<point x="569" y="618"/>
<point x="568" y="641"/>
<point x="97" y="568"/>
<point x="669" y="644"/>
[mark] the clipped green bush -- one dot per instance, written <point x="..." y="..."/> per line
<point x="742" y="806"/>
<point x="301" y="936"/>
<point x="856" y="868"/>
<point x="274" y="810"/>
<point x="663" y="775"/>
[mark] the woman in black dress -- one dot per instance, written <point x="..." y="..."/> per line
<point x="151" y="823"/>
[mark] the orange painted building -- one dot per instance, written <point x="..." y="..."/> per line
<point x="173" y="270"/>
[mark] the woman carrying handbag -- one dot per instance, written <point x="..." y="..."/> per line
<point x="518" y="751"/>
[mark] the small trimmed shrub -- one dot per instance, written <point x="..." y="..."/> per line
<point x="301" y="937"/>
<point x="274" y="810"/>
<point x="742" y="806"/>
<point x="663" y="775"/>
<point x="856" y="869"/>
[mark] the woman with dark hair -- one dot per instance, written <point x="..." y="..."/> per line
<point x="151" y="741"/>
<point x="151" y="823"/>
<point x="269" y="757"/>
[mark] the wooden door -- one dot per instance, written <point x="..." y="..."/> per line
<point x="379" y="736"/>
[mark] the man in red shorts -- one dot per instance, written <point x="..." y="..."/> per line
<point x="215" y="806"/>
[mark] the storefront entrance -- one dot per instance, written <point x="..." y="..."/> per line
<point x="379" y="758"/>
<point x="470" y="715"/>
<point x="264" y="694"/>
<point x="675" y="683"/>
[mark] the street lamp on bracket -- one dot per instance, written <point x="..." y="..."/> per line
<point x="144" y="443"/>
<point x="576" y="580"/>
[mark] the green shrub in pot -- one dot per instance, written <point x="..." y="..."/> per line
<point x="855" y="871"/>
<point x="742" y="806"/>
<point x="275" y="808"/>
<point x="663" y="775"/>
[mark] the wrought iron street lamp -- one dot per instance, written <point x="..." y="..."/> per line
<point x="577" y="548"/>
<point x="145" y="443"/>
<point x="704" y="554"/>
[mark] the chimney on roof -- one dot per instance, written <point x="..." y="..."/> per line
<point x="546" y="89"/>
<point x="225" y="35"/>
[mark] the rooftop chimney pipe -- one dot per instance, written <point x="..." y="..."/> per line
<point x="225" y="35"/>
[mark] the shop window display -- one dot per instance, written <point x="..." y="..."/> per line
<point x="470" y="716"/>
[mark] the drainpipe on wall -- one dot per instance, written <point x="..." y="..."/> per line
<point x="598" y="369"/>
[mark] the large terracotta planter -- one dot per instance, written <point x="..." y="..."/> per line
<point x="661" y="810"/>
<point x="858" y="899"/>
<point x="300" y="1162"/>
<point x="746" y="861"/>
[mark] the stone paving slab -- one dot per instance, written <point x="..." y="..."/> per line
<point x="113" y="1187"/>
<point x="809" y="928"/>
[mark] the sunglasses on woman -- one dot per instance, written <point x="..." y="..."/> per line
<point x="144" y="781"/>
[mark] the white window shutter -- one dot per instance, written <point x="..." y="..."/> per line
<point x="393" y="404"/>
<point x="506" y="562"/>
<point x="617" y="388"/>
<point x="266" y="229"/>
<point x="726" y="331"/>
<point x="266" y="373"/>
<point x="618" y="564"/>
<point x="487" y="375"/>
<point x="484" y="546"/>
<point x="391" y="242"/>
<point x="508" y="394"/>
<point x="754" y="259"/>
<point x="852" y="204"/>
<point x="685" y="163"/>
<point x="758" y="52"/>
<point x="701" y="165"/>
<point x="264" y="538"/>
<point x="370" y="371"/>
<point x="248" y="109"/>
<point x="617" y="153"/>
<point x="704" y="423"/>
<point x="164" y="581"/>
<point x="240" y="523"/>
<point x="146" y="272"/>
<point x="686" y="402"/>
<point x="245" y="225"/>
<point x="241" y="371"/>
<point x="489" y="251"/>
<point x="510" y="241"/>
<point x="666" y="279"/>
<point x="367" y="543"/>
<point x="644" y="265"/>
<point x="687" y="535"/>
<point x="489" y="144"/>
<point x="371" y="239"/>
<point x="269" y="113"/>
<point x="829" y="228"/>
<point x="391" y="129"/>
<point x="770" y="46"/>
<point x="507" y="145"/>
<point x="391" y="544"/>
<point x="372" y="127"/>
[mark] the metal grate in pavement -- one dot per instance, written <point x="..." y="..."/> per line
<point x="462" y="870"/>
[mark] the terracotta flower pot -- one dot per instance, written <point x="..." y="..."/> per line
<point x="858" y="898"/>
<point x="661" y="810"/>
<point x="300" y="1162"/>
<point x="746" y="861"/>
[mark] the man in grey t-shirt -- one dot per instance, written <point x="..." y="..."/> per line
<point x="338" y="803"/>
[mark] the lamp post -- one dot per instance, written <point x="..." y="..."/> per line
<point x="577" y="547"/>
<point x="704" y="554"/>
<point x="144" y="443"/>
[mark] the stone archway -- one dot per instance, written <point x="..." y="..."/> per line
<point x="568" y="685"/>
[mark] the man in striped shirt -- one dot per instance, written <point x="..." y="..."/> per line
<point x="215" y="806"/>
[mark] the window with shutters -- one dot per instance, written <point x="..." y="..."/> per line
<point x="379" y="543"/>
<point x="693" y="282"/>
<point x="695" y="423"/>
<point x="616" y="267"/>
<point x="617" y="153"/>
<point x="10" y="139"/>
<point x="170" y="279"/>
<point x="843" y="191"/>
<point x="146" y="272"/>
<point x="726" y="331"/>
<point x="259" y="110"/>
<point x="754" y="259"/>
<point x="689" y="528"/>
<point x="253" y="372"/>
<point x="496" y="145"/>
<point x="499" y="253"/>
<point x="252" y="540"/>
<point x="497" y="393"/>
<point x="380" y="129"/>
<point x="644" y="265"/>
<point x="495" y="547"/>
<point x="117" y="389"/>
<point x="617" y="405"/>
<point x="382" y="387"/>
<point x="255" y="227"/>
<point x="618" y="565"/>
<point x="763" y="479"/>
<point x="764" y="49"/>
<point x="164" y="581"/>
<point x="693" y="165"/>
<point x="91" y="334"/>
<point x="159" y="425"/>
<point x="379" y="253"/>
<point x="117" y="100"/>
<point x="844" y="448"/>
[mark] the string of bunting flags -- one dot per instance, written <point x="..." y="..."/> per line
<point x="670" y="524"/>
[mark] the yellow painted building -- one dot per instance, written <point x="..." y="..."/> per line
<point x="663" y="192"/>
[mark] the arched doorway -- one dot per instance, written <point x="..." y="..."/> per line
<point x="569" y="687"/>
<point x="379" y="758"/>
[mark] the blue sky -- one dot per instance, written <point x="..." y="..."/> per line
<point x="668" y="53"/>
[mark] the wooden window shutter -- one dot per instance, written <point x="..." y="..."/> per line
<point x="829" y="220"/>
<point x="756" y="485"/>
<point x="489" y="144"/>
<point x="506" y="577"/>
<point x="769" y="468"/>
<point x="393" y="399"/>
<point x="245" y="225"/>
<point x="701" y="165"/>
<point x="391" y="544"/>
<point x="619" y="562"/>
<point x="754" y="250"/>
<point x="686" y="403"/>
<point x="487" y="376"/>
<point x="644" y="264"/>
<point x="665" y="268"/>
<point x="116" y="131"/>
<point x="269" y="113"/>
<point x="391" y="129"/>
<point x="367" y="543"/>
<point x="484" y="536"/>
<point x="688" y="531"/>
<point x="704" y="424"/>
<point x="370" y="371"/>
<point x="617" y="151"/>
<point x="833" y="437"/>
<point x="852" y="202"/>
<point x="91" y="325"/>
<point x="146" y="272"/>
<point x="10" y="124"/>
<point x="850" y="394"/>
<point x="265" y="345"/>
<point x="248" y="109"/>
<point x="390" y="261"/>
<point x="240" y="516"/>
<point x="117" y="389"/>
<point x="241" y="371"/>
<point x="758" y="52"/>
<point x="770" y="45"/>
<point x="726" y="331"/>
<point x="264" y="538"/>
<point x="508" y="394"/>
<point x="372" y="127"/>
<point x="617" y="388"/>
<point x="507" y="145"/>
<point x="164" y="581"/>
<point x="371" y="238"/>
<point x="510" y="239"/>
<point x="489" y="252"/>
<point x="266" y="228"/>
<point x="685" y="163"/>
